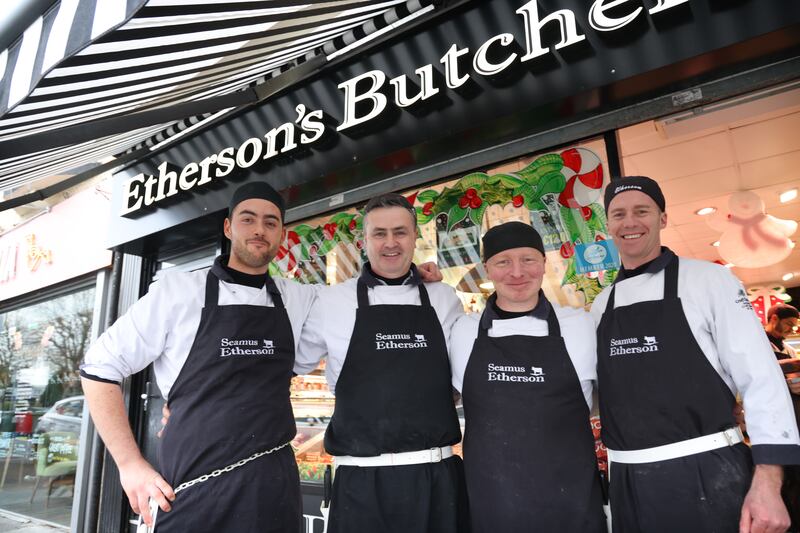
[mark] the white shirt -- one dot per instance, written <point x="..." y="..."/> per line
<point x="160" y="328"/>
<point x="331" y="322"/>
<point x="577" y="329"/>
<point x="731" y="337"/>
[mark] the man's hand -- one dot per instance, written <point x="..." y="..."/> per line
<point x="763" y="510"/>
<point x="141" y="482"/>
<point x="794" y="388"/>
<point x="430" y="272"/>
<point x="164" y="420"/>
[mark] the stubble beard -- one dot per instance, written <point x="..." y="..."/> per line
<point x="253" y="260"/>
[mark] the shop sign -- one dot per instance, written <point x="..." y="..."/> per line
<point x="366" y="97"/>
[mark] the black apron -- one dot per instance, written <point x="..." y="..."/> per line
<point x="656" y="387"/>
<point x="791" y="473"/>
<point x="394" y="395"/>
<point x="231" y="400"/>
<point x="528" y="447"/>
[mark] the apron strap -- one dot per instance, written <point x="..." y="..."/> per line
<point x="272" y="290"/>
<point x="212" y="290"/>
<point x="671" y="279"/>
<point x="363" y="298"/>
<point x="553" y="327"/>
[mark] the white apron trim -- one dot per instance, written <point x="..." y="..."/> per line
<point x="432" y="455"/>
<point x="729" y="437"/>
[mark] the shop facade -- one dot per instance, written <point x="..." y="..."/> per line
<point x="54" y="270"/>
<point x="496" y="111"/>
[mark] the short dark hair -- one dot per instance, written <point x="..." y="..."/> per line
<point x="783" y="311"/>
<point x="390" y="199"/>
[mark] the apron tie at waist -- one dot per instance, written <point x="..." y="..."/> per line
<point x="431" y="455"/>
<point x="723" y="439"/>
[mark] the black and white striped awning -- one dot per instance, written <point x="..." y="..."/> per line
<point x="76" y="79"/>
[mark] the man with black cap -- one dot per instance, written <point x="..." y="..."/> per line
<point x="222" y="343"/>
<point x="394" y="422"/>
<point x="677" y="339"/>
<point x="782" y="322"/>
<point x="526" y="370"/>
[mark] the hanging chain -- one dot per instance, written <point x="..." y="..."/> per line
<point x="219" y="472"/>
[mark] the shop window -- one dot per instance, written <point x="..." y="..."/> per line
<point x="558" y="192"/>
<point x="41" y="404"/>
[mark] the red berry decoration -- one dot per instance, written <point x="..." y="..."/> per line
<point x="427" y="209"/>
<point x="353" y="225"/>
<point x="598" y="238"/>
<point x="518" y="200"/>
<point x="312" y="250"/>
<point x="567" y="250"/>
<point x="475" y="202"/>
<point x="471" y="193"/>
<point x="586" y="212"/>
<point x="463" y="202"/>
<point x="359" y="244"/>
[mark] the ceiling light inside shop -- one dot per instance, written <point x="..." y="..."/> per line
<point x="705" y="211"/>
<point x="787" y="276"/>
<point x="729" y="265"/>
<point x="788" y="196"/>
<point x="487" y="286"/>
<point x="715" y="244"/>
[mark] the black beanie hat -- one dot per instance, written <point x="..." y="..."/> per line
<point x="257" y="189"/>
<point x="643" y="184"/>
<point x="510" y="235"/>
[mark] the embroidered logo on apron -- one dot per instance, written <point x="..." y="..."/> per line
<point x="229" y="347"/>
<point x="399" y="341"/>
<point x="514" y="374"/>
<point x="633" y="346"/>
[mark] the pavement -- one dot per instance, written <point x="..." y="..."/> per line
<point x="14" y="522"/>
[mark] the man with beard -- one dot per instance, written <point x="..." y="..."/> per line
<point x="394" y="424"/>
<point x="677" y="339"/>
<point x="222" y="342"/>
<point x="526" y="371"/>
<point x="781" y="323"/>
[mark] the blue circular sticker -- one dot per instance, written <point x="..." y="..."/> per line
<point x="595" y="254"/>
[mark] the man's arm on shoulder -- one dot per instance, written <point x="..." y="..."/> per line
<point x="448" y="308"/>
<point x="462" y="337"/>
<point x="138" y="478"/>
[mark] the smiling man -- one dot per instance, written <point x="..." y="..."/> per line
<point x="677" y="339"/>
<point x="394" y="422"/>
<point x="526" y="371"/>
<point x="222" y="343"/>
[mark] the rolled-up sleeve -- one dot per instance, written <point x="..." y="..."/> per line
<point x="745" y="354"/>
<point x="134" y="341"/>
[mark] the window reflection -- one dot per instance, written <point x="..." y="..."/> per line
<point x="41" y="404"/>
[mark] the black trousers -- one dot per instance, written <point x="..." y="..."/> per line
<point x="424" y="498"/>
<point x="701" y="493"/>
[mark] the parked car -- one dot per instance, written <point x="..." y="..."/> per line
<point x="64" y="415"/>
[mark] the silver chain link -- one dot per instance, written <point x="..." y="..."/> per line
<point x="219" y="472"/>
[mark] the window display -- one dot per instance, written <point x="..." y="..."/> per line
<point x="557" y="192"/>
<point x="41" y="403"/>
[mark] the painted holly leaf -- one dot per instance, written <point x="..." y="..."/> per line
<point x="536" y="205"/>
<point x="302" y="230"/>
<point x="570" y="276"/>
<point x="509" y="181"/>
<point x="455" y="215"/>
<point x="608" y="277"/>
<point x="427" y="196"/>
<point x="541" y="166"/>
<point x="326" y="246"/>
<point x="422" y="218"/>
<point x="590" y="287"/>
<point x="597" y="222"/>
<point x="472" y="181"/>
<point x="339" y="217"/>
<point x="576" y="227"/>
<point x="552" y="182"/>
<point x="476" y="215"/>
